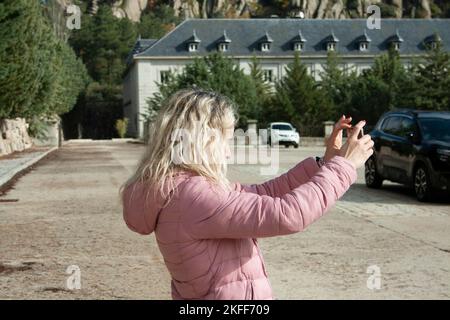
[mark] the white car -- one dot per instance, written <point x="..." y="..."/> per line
<point x="282" y="133"/>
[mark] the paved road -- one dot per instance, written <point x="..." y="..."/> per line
<point x="67" y="212"/>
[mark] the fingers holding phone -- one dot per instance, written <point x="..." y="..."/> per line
<point x="358" y="147"/>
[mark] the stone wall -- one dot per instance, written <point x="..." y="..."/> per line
<point x="14" y="136"/>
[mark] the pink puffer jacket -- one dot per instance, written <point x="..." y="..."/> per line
<point x="208" y="237"/>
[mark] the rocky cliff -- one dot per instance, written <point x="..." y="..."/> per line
<point x="337" y="9"/>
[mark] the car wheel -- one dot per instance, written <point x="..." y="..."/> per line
<point x="422" y="185"/>
<point x="296" y="145"/>
<point x="286" y="145"/>
<point x="373" y="179"/>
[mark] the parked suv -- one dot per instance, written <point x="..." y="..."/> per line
<point x="282" y="133"/>
<point x="413" y="148"/>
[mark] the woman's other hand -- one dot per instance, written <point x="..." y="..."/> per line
<point x="334" y="142"/>
<point x="357" y="151"/>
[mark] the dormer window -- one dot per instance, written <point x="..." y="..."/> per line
<point x="298" y="46"/>
<point x="193" y="42"/>
<point x="265" y="46"/>
<point x="396" y="41"/>
<point x="433" y="41"/>
<point x="193" y="47"/>
<point x="332" y="41"/>
<point x="266" y="41"/>
<point x="299" y="42"/>
<point x="223" y="42"/>
<point x="364" y="42"/>
<point x="223" y="47"/>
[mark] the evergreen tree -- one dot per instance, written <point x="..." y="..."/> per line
<point x="39" y="73"/>
<point x="382" y="88"/>
<point x="264" y="91"/>
<point x="214" y="72"/>
<point x="24" y="52"/>
<point x="335" y="84"/>
<point x="103" y="43"/>
<point x="156" y="23"/>
<point x="298" y="99"/>
<point x="432" y="81"/>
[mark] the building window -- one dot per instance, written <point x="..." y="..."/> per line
<point x="298" y="46"/>
<point x="164" y="76"/>
<point x="193" y="47"/>
<point x="331" y="46"/>
<point x="223" y="47"/>
<point x="363" y="46"/>
<point x="265" y="46"/>
<point x="396" y="46"/>
<point x="267" y="75"/>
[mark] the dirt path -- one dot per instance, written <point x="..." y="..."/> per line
<point x="67" y="212"/>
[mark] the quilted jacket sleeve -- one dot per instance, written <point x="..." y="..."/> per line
<point x="281" y="185"/>
<point x="211" y="213"/>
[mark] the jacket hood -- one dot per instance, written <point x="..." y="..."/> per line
<point x="141" y="206"/>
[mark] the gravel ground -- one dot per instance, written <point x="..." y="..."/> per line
<point x="67" y="212"/>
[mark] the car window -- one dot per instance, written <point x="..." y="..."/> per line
<point x="393" y="125"/>
<point x="385" y="123"/>
<point x="435" y="128"/>
<point x="283" y="127"/>
<point x="407" y="126"/>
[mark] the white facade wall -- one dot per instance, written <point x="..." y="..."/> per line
<point x="141" y="81"/>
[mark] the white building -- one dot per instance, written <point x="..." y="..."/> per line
<point x="274" y="42"/>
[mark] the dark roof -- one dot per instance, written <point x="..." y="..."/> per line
<point x="224" y="38"/>
<point x="365" y="37"/>
<point x="433" y="38"/>
<point x="143" y="44"/>
<point x="332" y="37"/>
<point x="266" y="38"/>
<point x="194" y="38"/>
<point x="248" y="33"/>
<point x="299" y="37"/>
<point x="139" y="46"/>
<point x="397" y="37"/>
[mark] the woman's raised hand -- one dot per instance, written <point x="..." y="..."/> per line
<point x="357" y="151"/>
<point x="334" y="142"/>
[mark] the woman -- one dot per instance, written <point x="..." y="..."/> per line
<point x="205" y="226"/>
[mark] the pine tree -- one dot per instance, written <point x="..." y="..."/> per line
<point x="335" y="84"/>
<point x="39" y="73"/>
<point x="264" y="91"/>
<point x="298" y="99"/>
<point x="432" y="80"/>
<point x="214" y="72"/>
<point x="23" y="55"/>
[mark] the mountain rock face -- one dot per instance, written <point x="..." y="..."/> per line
<point x="131" y="9"/>
<point x="322" y="9"/>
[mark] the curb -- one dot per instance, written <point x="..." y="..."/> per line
<point x="4" y="180"/>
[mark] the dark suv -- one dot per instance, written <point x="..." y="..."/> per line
<point x="411" y="147"/>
